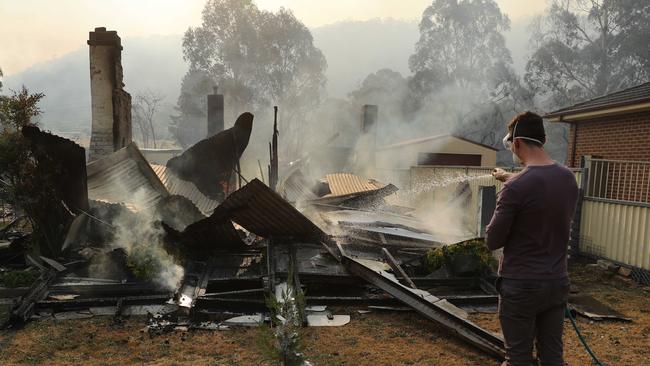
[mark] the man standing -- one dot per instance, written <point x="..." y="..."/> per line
<point x="531" y="223"/>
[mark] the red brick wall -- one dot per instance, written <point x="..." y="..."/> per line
<point x="614" y="138"/>
<point x="624" y="137"/>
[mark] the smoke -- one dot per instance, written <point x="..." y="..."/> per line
<point x="444" y="204"/>
<point x="141" y="237"/>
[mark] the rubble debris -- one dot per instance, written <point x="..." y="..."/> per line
<point x="64" y="193"/>
<point x="194" y="284"/>
<point x="625" y="271"/>
<point x="317" y="320"/>
<point x="260" y="210"/>
<point x="54" y="264"/>
<point x="244" y="321"/>
<point x="257" y="209"/>
<point x="207" y="235"/>
<point x="63" y="297"/>
<point x="210" y="163"/>
<point x="390" y="308"/>
<point x="397" y="270"/>
<point x="177" y="211"/>
<point x="428" y="307"/>
<point x="73" y="315"/>
<point x="24" y="308"/>
<point x="69" y="179"/>
<point x="607" y="265"/>
<point x="162" y="323"/>
<point x="316" y="308"/>
<point x="235" y="282"/>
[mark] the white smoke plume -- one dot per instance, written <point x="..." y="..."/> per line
<point x="142" y="240"/>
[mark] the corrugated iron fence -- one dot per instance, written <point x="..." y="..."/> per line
<point x="615" y="221"/>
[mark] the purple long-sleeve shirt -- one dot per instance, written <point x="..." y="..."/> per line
<point x="532" y="221"/>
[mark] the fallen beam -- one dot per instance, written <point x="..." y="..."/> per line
<point x="76" y="304"/>
<point x="466" y="330"/>
<point x="37" y="291"/>
<point x="97" y="290"/>
<point x="399" y="272"/>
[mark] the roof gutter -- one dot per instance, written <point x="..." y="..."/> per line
<point x="578" y="116"/>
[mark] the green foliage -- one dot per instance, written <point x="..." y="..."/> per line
<point x="461" y="41"/>
<point x="143" y="264"/>
<point x="282" y="342"/>
<point x="15" y="279"/>
<point x="256" y="58"/>
<point x="26" y="181"/>
<point x="588" y="49"/>
<point x="476" y="248"/>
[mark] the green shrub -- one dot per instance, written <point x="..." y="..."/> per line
<point x="437" y="257"/>
<point x="15" y="279"/>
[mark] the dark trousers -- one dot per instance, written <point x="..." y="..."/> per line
<point x="532" y="310"/>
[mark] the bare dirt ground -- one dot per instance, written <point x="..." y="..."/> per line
<point x="369" y="339"/>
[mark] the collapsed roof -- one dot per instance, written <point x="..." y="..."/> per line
<point x="210" y="163"/>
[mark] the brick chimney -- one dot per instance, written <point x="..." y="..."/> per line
<point x="111" y="105"/>
<point x="215" y="113"/>
<point x="369" y="118"/>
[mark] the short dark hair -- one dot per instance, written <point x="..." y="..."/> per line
<point x="529" y="125"/>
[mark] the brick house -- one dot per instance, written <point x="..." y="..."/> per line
<point x="616" y="128"/>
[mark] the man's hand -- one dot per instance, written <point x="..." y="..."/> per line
<point x="501" y="175"/>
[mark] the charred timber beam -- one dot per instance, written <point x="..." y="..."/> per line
<point x="464" y="329"/>
<point x="76" y="304"/>
<point x="24" y="309"/>
<point x="232" y="304"/>
<point x="253" y="291"/>
<point x="107" y="290"/>
<point x="399" y="272"/>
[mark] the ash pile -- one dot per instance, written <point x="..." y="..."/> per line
<point x="193" y="244"/>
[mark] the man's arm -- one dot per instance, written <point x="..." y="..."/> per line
<point x="498" y="230"/>
<point x="501" y="175"/>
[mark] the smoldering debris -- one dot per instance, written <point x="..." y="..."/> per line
<point x="211" y="249"/>
<point x="211" y="163"/>
<point x="144" y="250"/>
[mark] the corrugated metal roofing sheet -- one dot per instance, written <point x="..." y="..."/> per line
<point x="125" y="177"/>
<point x="341" y="184"/>
<point x="175" y="185"/>
<point x="431" y="138"/>
<point x="260" y="210"/>
<point x="214" y="232"/>
<point x="295" y="188"/>
<point x="363" y="196"/>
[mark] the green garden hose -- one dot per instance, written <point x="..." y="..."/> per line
<point x="582" y="339"/>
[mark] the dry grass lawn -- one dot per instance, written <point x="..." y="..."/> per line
<point x="369" y="339"/>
